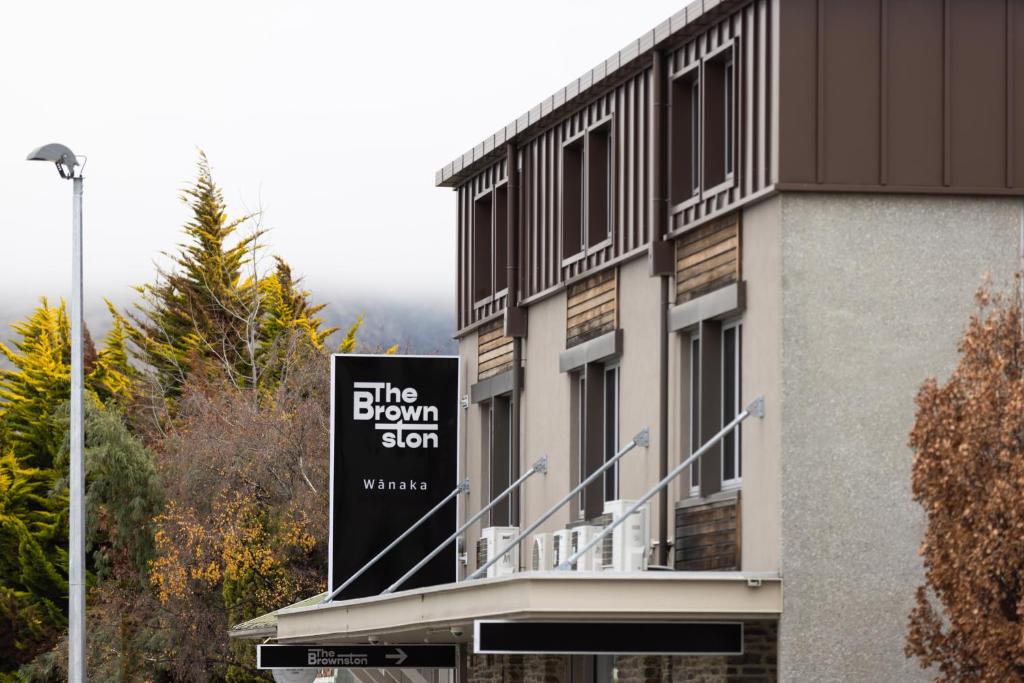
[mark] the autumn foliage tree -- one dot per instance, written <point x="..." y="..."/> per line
<point x="968" y="475"/>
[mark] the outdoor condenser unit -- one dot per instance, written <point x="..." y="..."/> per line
<point x="543" y="552"/>
<point x="560" y="541"/>
<point x="582" y="535"/>
<point x="492" y="541"/>
<point x="625" y="548"/>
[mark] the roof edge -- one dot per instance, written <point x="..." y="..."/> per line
<point x="623" y="63"/>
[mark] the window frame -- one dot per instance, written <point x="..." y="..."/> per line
<point x="729" y="413"/>
<point x="612" y="368"/>
<point x="728" y="54"/>
<point x="689" y="78"/>
<point x="494" y="412"/>
<point x="491" y="195"/>
<point x="605" y="127"/>
<point x="695" y="410"/>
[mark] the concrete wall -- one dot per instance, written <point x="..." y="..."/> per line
<point x="876" y="291"/>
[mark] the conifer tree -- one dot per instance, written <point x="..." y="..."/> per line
<point x="201" y="309"/>
<point x="39" y="382"/>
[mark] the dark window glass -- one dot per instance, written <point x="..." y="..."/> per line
<point x="500" y="238"/>
<point x="572" y="198"/>
<point x="599" y="184"/>
<point x="729" y="116"/>
<point x="695" y="138"/>
<point x="695" y="409"/>
<point x="611" y="431"/>
<point x="730" y="402"/>
<point x="482" y="252"/>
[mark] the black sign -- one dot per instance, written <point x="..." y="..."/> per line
<point x="603" y="637"/>
<point x="394" y="456"/>
<point x="355" y="656"/>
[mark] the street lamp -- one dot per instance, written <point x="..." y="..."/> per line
<point x="66" y="162"/>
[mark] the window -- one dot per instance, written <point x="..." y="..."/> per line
<point x="500" y="238"/>
<point x="587" y="189"/>
<point x="715" y="382"/>
<point x="611" y="431"/>
<point x="719" y="118"/>
<point x="599" y="184"/>
<point x="694" y="412"/>
<point x="490" y="240"/>
<point x="483" y="242"/>
<point x="596" y="418"/>
<point x="572" y="198"/>
<point x="732" y="464"/>
<point x="498" y="462"/>
<point x="684" y="165"/>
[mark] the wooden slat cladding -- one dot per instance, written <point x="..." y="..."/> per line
<point x="707" y="537"/>
<point x="624" y="106"/>
<point x="494" y="351"/>
<point x="902" y="96"/>
<point x="708" y="257"/>
<point x="468" y="312"/>
<point x="628" y="107"/>
<point x="591" y="308"/>
<point x="748" y="34"/>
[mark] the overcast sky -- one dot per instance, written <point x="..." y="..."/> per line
<point x="332" y="116"/>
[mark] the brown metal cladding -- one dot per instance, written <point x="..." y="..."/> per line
<point x="901" y="95"/>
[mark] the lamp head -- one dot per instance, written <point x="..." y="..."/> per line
<point x="59" y="155"/>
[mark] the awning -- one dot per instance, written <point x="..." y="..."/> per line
<point x="445" y="614"/>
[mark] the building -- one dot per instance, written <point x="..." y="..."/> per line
<point x="792" y="199"/>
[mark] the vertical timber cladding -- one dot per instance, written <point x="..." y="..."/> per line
<point x="708" y="536"/>
<point x="592" y="307"/>
<point x="627" y="105"/>
<point x="394" y="457"/>
<point x="748" y="33"/>
<point x="708" y="257"/>
<point x="494" y="350"/>
<point x="470" y="311"/>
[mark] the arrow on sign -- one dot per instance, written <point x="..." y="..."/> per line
<point x="399" y="658"/>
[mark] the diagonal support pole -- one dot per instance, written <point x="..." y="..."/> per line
<point x="539" y="467"/>
<point x="643" y="438"/>
<point x="463" y="487"/>
<point x="755" y="408"/>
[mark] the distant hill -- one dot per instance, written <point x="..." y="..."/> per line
<point x="418" y="327"/>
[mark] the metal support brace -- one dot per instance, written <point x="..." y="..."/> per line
<point x="642" y="438"/>
<point x="463" y="487"/>
<point x="539" y="467"/>
<point x="755" y="408"/>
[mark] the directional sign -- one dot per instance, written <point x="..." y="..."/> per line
<point x="604" y="637"/>
<point x="355" y="656"/>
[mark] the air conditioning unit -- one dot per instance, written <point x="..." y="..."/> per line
<point x="492" y="541"/>
<point x="581" y="536"/>
<point x="560" y="542"/>
<point x="543" y="555"/>
<point x="625" y="548"/>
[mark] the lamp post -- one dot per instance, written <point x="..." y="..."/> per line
<point x="66" y="162"/>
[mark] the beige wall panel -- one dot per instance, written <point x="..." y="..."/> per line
<point x="469" y="445"/>
<point x="761" y="375"/>
<point x="545" y="415"/>
<point x="639" y="294"/>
